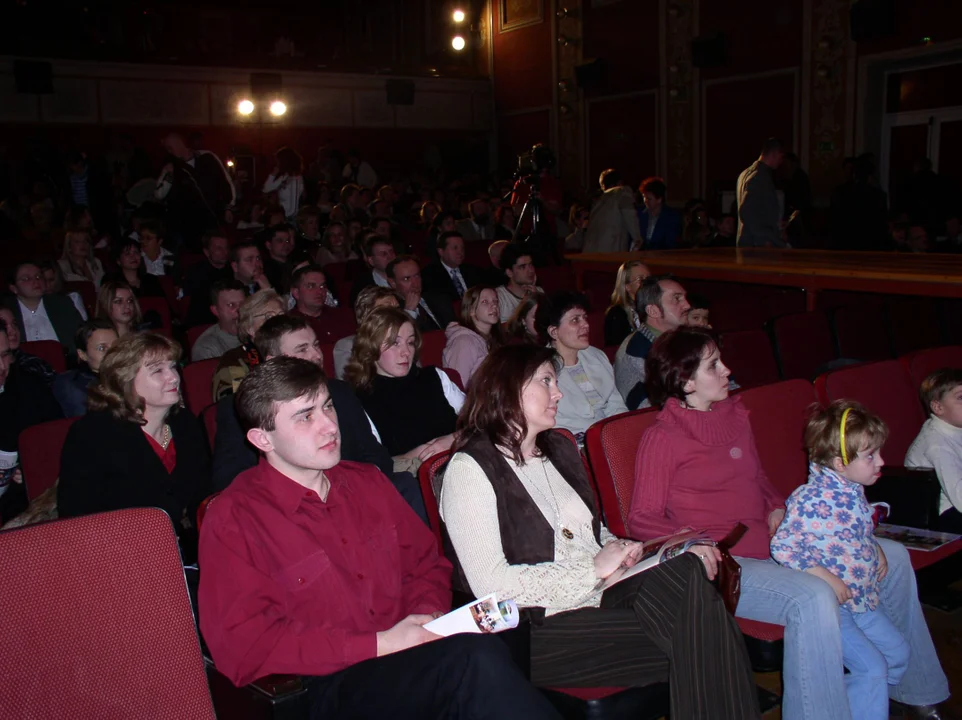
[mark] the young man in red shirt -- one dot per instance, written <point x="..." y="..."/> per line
<point x="317" y="567"/>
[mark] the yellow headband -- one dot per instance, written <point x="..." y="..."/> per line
<point x="842" y="434"/>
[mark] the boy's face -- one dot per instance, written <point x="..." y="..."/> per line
<point x="698" y="317"/>
<point x="949" y="407"/>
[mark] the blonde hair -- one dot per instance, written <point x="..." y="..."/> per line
<point x="253" y="306"/>
<point x="65" y="255"/>
<point x="864" y="430"/>
<point x="105" y="298"/>
<point x="620" y="297"/>
<point x="369" y="297"/>
<point x="114" y="390"/>
<point x="381" y="327"/>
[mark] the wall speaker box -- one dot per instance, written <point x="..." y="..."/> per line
<point x="590" y="75"/>
<point x="266" y="84"/>
<point x="870" y="19"/>
<point x="33" y="77"/>
<point x="400" y="92"/>
<point x="709" y="51"/>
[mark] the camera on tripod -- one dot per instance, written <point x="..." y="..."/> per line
<point x="532" y="163"/>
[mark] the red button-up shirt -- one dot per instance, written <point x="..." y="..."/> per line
<point x="293" y="584"/>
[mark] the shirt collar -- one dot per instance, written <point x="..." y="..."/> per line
<point x="946" y="428"/>
<point x="449" y="269"/>
<point x="289" y="494"/>
<point x="826" y="477"/>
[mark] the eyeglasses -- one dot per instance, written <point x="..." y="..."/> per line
<point x="28" y="278"/>
<point x="314" y="286"/>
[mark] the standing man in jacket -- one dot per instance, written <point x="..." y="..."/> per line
<point x="759" y="212"/>
<point x="613" y="223"/>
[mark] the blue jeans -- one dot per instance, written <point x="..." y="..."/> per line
<point x="876" y="656"/>
<point x="813" y="668"/>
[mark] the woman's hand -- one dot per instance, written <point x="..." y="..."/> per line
<point x="617" y="555"/>
<point x="710" y="557"/>
<point x="435" y="446"/>
<point x="774" y="520"/>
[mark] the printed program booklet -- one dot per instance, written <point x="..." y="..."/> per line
<point x="484" y="615"/>
<point x="915" y="538"/>
<point x="659" y="550"/>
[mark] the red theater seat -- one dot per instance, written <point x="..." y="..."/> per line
<point x="50" y="351"/>
<point x="748" y="354"/>
<point x="198" y="384"/>
<point x="861" y="333"/>
<point x="40" y="454"/>
<point x="923" y="363"/>
<point x="432" y="347"/>
<point x="804" y="344"/>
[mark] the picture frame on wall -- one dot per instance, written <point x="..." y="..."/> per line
<point x="514" y="14"/>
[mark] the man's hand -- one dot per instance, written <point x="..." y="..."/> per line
<point x="411" y="300"/>
<point x="406" y="634"/>
<point x="262" y="282"/>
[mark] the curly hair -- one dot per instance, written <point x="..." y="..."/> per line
<point x="114" y="390"/>
<point x="378" y="330"/>
<point x="495" y="338"/>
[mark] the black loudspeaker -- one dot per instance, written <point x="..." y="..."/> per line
<point x="400" y="92"/>
<point x="708" y="51"/>
<point x="590" y="75"/>
<point x="266" y="84"/>
<point x="871" y="19"/>
<point x="32" y="77"/>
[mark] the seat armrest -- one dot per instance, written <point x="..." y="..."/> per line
<point x="912" y="493"/>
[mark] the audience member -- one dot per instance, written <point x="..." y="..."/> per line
<point x="444" y="222"/>
<point x="504" y="223"/>
<point x="235" y="364"/>
<point x="450" y="277"/>
<point x="698" y="466"/>
<point x="378" y="254"/>
<point x="519" y="277"/>
<point x="94" y="339"/>
<point x="478" y="226"/>
<point x="251" y="607"/>
<point x="358" y="170"/>
<point x="578" y="221"/>
<point x="248" y="267"/>
<point x="158" y="260"/>
<point x="201" y="276"/>
<point x="25" y="363"/>
<point x="585" y="376"/>
<point x="950" y="241"/>
<point x="494" y="272"/>
<point x="621" y="318"/>
<point x="843" y="443"/>
<point x="353" y="204"/>
<point x="130" y="270"/>
<point x="696" y="229"/>
<point x="308" y="239"/>
<point x="196" y="187"/>
<point x="414" y="409"/>
<point x="664" y="305"/>
<point x="659" y="225"/>
<point x="286" y="181"/>
<point x="335" y="247"/>
<point x="429" y="312"/>
<point x="939" y="443"/>
<point x="426" y="214"/>
<point x="133" y="448"/>
<point x="479" y="332"/>
<point x="77" y="262"/>
<point x="253" y="218"/>
<point x="523" y="521"/>
<point x="613" y="222"/>
<point x="759" y="211"/>
<point x="277" y="265"/>
<point x="699" y="311"/>
<point x="309" y="291"/>
<point x="860" y="210"/>
<point x="226" y="297"/>
<point x="724" y="235"/>
<point x="117" y="304"/>
<point x="40" y="316"/>
<point x="25" y="400"/>
<point x="520" y="327"/>
<point x="53" y="285"/>
<point x="368" y="299"/>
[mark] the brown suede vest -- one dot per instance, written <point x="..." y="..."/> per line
<point x="526" y="535"/>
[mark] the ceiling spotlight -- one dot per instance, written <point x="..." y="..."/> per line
<point x="278" y="108"/>
<point x="230" y="163"/>
<point x="457" y="42"/>
<point x="458" y="16"/>
<point x="245" y="107"/>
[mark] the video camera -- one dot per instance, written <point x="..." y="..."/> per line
<point x="532" y="163"/>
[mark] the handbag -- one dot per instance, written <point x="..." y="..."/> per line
<point x="729" y="577"/>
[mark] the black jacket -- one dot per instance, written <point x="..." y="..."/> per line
<point x="442" y="310"/>
<point x="437" y="281"/>
<point x="63" y="316"/>
<point x="198" y="281"/>
<point x="233" y="455"/>
<point x="109" y="464"/>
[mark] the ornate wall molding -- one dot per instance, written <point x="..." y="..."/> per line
<point x="569" y="101"/>
<point x="679" y="101"/>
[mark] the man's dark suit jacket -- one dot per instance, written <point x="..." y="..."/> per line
<point x="437" y="281"/>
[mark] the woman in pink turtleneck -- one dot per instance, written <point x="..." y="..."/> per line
<point x="697" y="466"/>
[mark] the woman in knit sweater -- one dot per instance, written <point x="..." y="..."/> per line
<point x="479" y="332"/>
<point x="414" y="409"/>
<point x="523" y="522"/>
<point x="697" y="466"/>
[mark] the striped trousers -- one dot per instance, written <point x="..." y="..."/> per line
<point x="667" y="623"/>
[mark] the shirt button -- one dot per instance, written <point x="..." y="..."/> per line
<point x="307" y="494"/>
<point x="300" y="581"/>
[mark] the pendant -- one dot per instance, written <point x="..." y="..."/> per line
<point x="567" y="534"/>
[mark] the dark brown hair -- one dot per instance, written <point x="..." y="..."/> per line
<point x="267" y="340"/>
<point x="493" y="406"/>
<point x="278" y="380"/>
<point x="864" y="430"/>
<point x="674" y="359"/>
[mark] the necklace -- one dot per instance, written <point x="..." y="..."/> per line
<point x="553" y="502"/>
<point x="165" y="441"/>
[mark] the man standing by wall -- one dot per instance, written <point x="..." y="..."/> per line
<point x="759" y="212"/>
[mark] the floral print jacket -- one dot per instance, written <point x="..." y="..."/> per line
<point x="828" y="522"/>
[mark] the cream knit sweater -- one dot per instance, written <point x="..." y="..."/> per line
<point x="469" y="509"/>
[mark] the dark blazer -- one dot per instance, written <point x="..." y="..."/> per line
<point x="362" y="279"/>
<point x="617" y="326"/>
<point x="233" y="455"/>
<point x="437" y="281"/>
<point x="108" y="464"/>
<point x="443" y="312"/>
<point x="63" y="316"/>
<point x="70" y="390"/>
<point x="667" y="229"/>
<point x="198" y="281"/>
